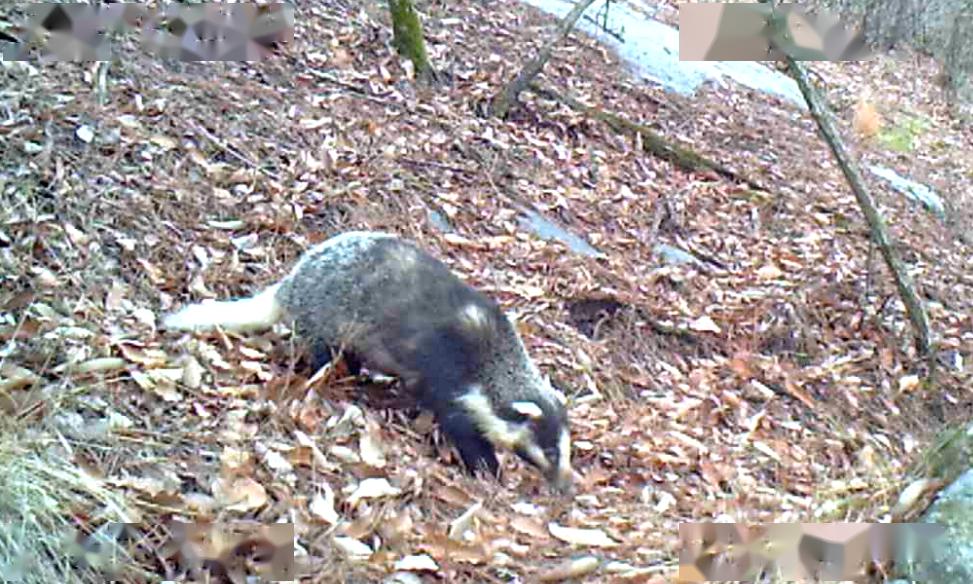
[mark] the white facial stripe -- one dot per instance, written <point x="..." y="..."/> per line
<point x="537" y="455"/>
<point x="497" y="430"/>
<point x="528" y="408"/>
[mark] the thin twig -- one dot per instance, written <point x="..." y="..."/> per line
<point x="234" y="152"/>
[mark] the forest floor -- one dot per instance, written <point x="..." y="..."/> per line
<point x="776" y="380"/>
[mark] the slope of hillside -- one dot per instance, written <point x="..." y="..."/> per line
<point x="775" y="381"/>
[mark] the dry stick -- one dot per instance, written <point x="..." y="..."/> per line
<point x="876" y="224"/>
<point x="224" y="146"/>
<point x="503" y="101"/>
<point x="357" y="91"/>
<point x="651" y="142"/>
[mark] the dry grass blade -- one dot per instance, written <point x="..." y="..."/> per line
<point x="41" y="494"/>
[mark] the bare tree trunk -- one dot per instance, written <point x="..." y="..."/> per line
<point x="507" y="97"/>
<point x="407" y="37"/>
<point x="876" y="224"/>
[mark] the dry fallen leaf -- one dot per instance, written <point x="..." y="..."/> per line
<point x="273" y="460"/>
<point x="322" y="505"/>
<point x="454" y="496"/>
<point x="570" y="569"/>
<point x="396" y="527"/>
<point x="352" y="548"/>
<point x="159" y="382"/>
<point x="239" y="494"/>
<point x="911" y="495"/>
<point x="908" y="383"/>
<point x="530" y="527"/>
<point x="373" y="488"/>
<point x="235" y="461"/>
<point x="100" y="365"/>
<point x="459" y="526"/>
<point x="192" y="373"/>
<point x="164" y="142"/>
<point x="770" y="272"/>
<point x="704" y="324"/>
<point x="417" y="563"/>
<point x="370" y="446"/>
<point x="578" y="536"/>
<point x="143" y="356"/>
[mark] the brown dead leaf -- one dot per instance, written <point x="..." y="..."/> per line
<point x="454" y="496"/>
<point x="192" y="373"/>
<point x="417" y="563"/>
<point x="530" y="527"/>
<point x="444" y="549"/>
<point x="322" y="505"/>
<point x="579" y="536"/>
<point x="140" y="355"/>
<point x="164" y="142"/>
<point x="908" y="383"/>
<point x="100" y="365"/>
<point x="370" y="446"/>
<point x="570" y="569"/>
<point x="396" y="526"/>
<point x="239" y="493"/>
<point x="796" y="391"/>
<point x="352" y="549"/>
<point x="156" y="381"/>
<point x="704" y="324"/>
<point x="740" y="365"/>
<point x="372" y="488"/>
<point x="463" y="242"/>
<point x="464" y="523"/>
<point x="154" y="274"/>
<point x="115" y="295"/>
<point x="147" y="485"/>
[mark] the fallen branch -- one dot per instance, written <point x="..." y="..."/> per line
<point x="651" y="142"/>
<point x="507" y="97"/>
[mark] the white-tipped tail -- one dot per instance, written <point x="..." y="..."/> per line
<point x="247" y="314"/>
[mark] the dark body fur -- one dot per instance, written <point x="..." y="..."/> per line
<point x="399" y="316"/>
<point x="398" y="310"/>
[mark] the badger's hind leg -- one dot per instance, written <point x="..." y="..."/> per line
<point x="475" y="450"/>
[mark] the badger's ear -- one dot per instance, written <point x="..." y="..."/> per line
<point x="528" y="408"/>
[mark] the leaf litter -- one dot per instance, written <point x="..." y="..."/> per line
<point x="747" y="391"/>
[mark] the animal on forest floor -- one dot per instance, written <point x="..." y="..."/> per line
<point x="397" y="309"/>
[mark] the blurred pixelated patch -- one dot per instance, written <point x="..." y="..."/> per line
<point x="210" y="31"/>
<point x="721" y="31"/>
<point x="800" y="551"/>
<point x="237" y="551"/>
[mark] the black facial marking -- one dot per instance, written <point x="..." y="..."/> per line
<point x="475" y="450"/>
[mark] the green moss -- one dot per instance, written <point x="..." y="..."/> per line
<point x="407" y="37"/>
<point x="901" y="137"/>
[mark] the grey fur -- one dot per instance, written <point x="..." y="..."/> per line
<point x="403" y="312"/>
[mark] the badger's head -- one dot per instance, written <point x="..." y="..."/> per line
<point x="544" y="440"/>
<point x="534" y="429"/>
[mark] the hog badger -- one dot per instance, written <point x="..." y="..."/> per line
<point x="400" y="311"/>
